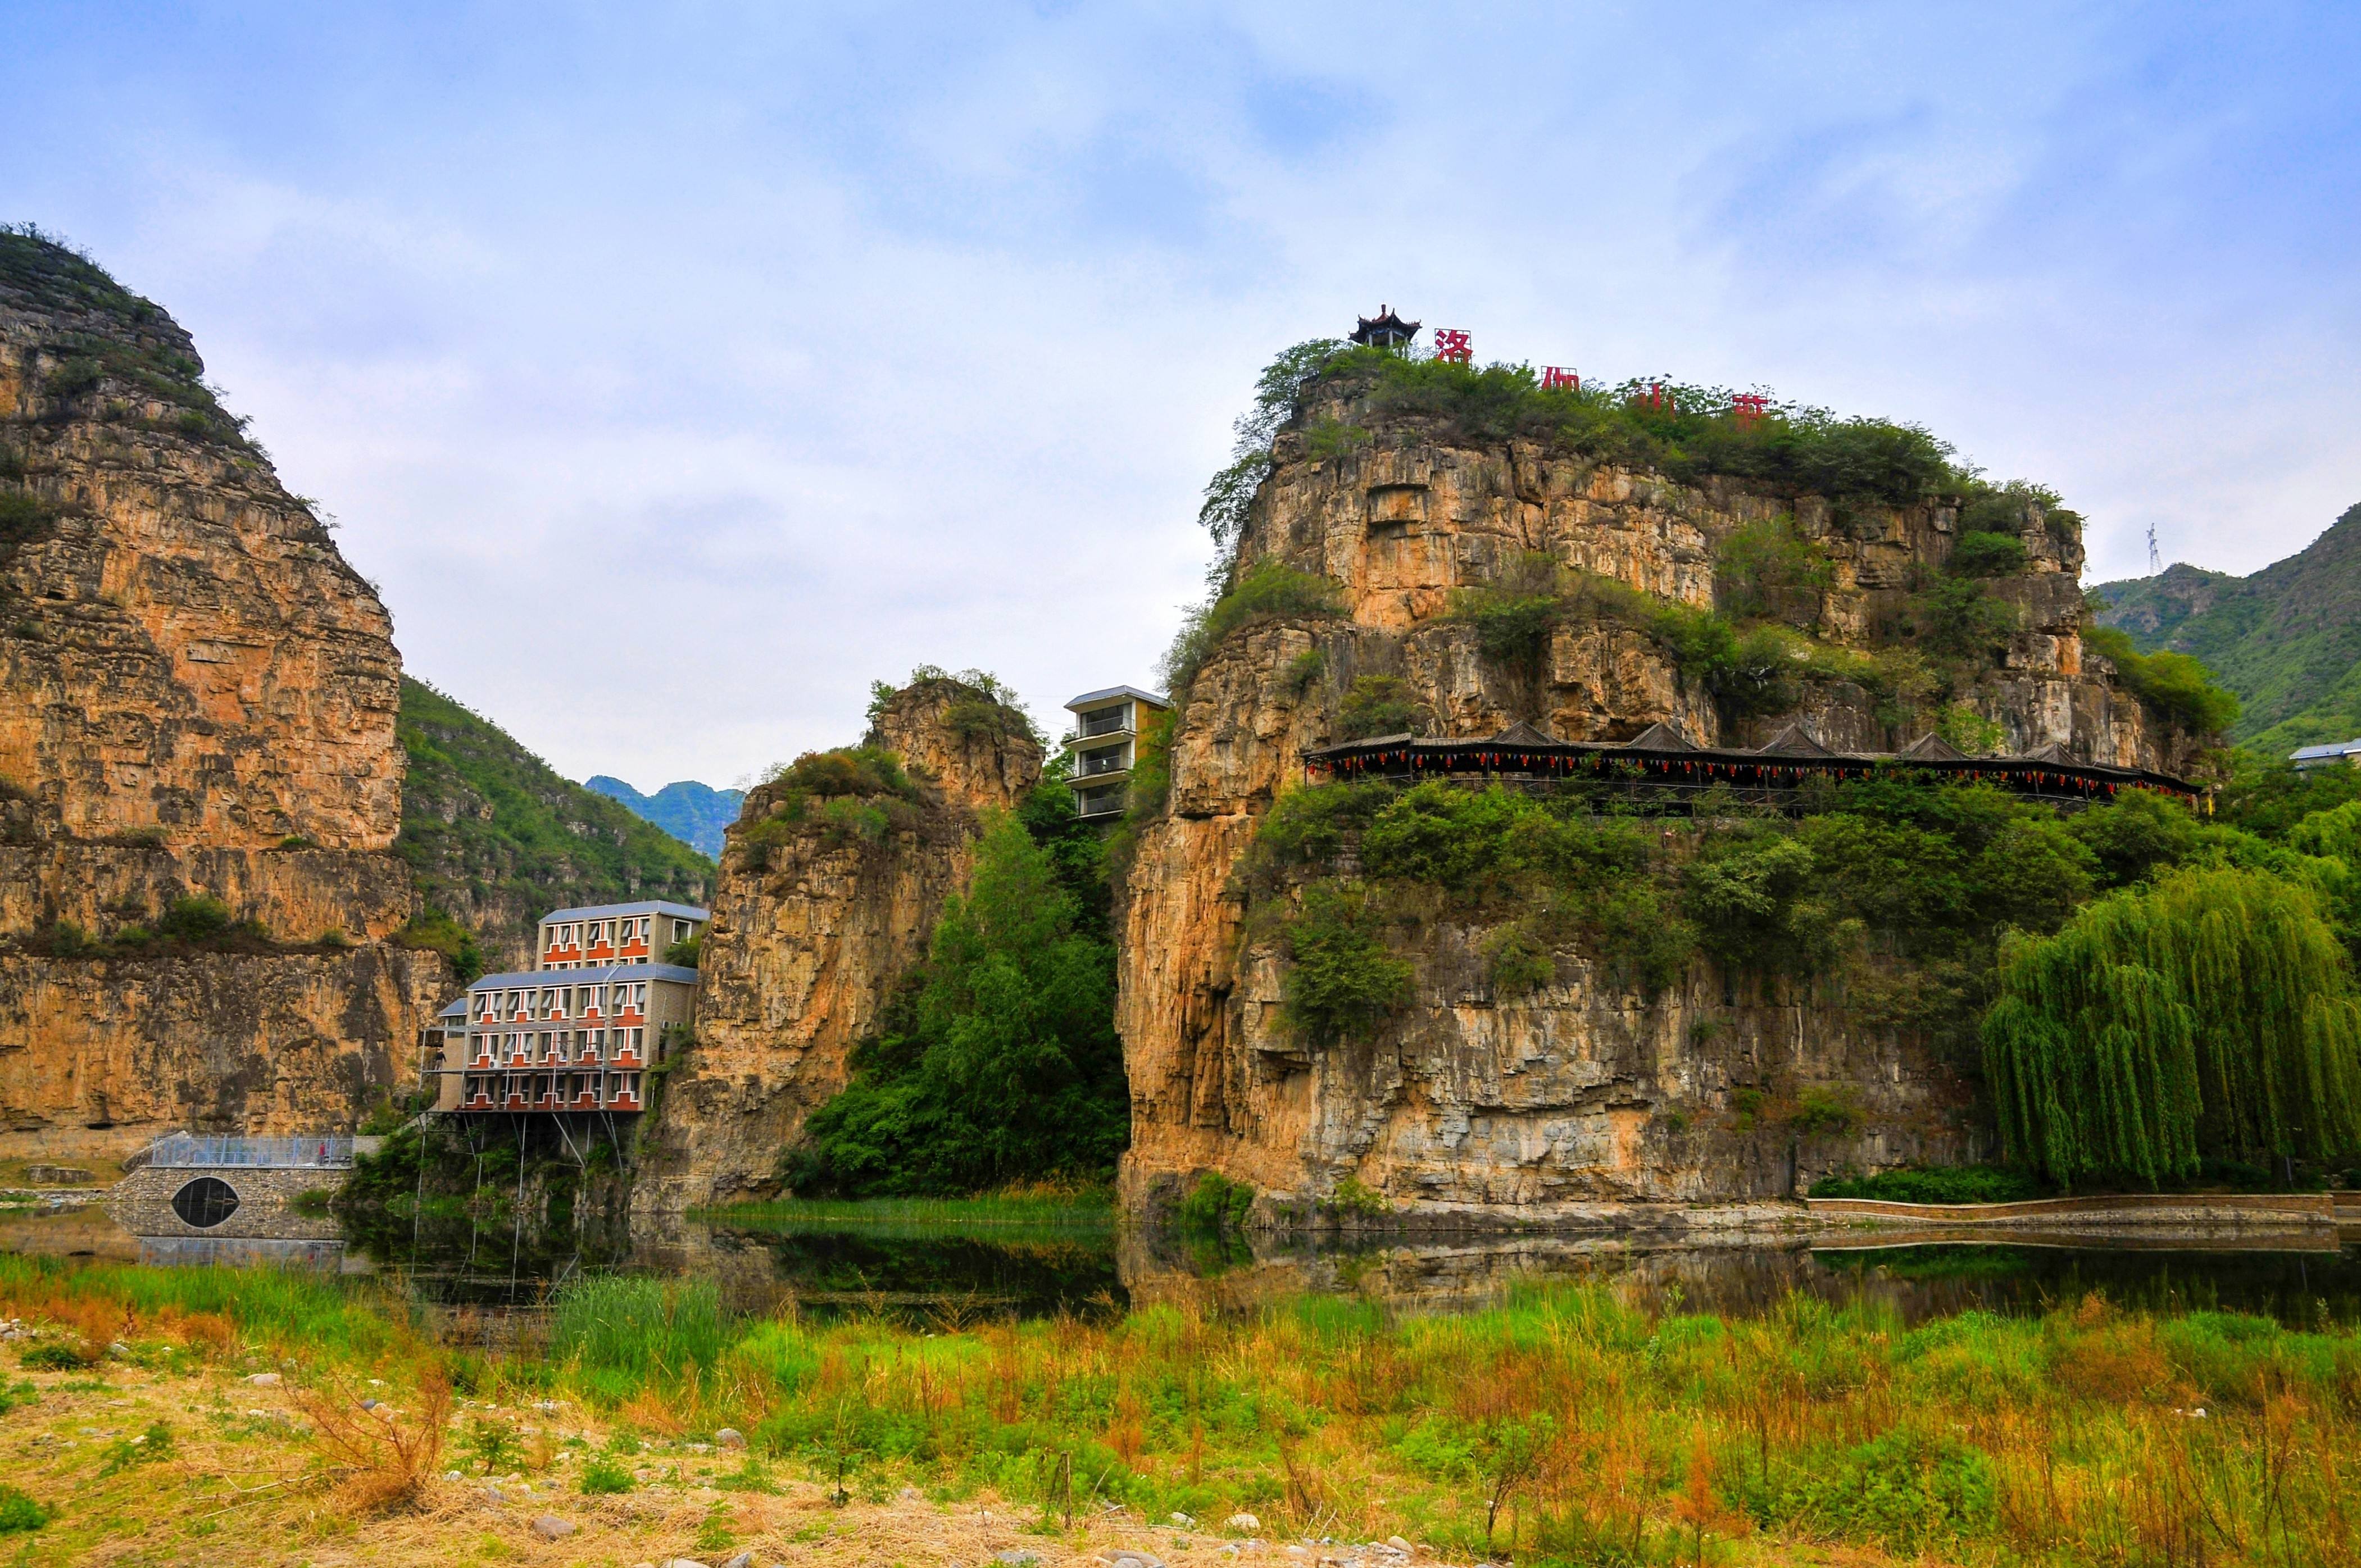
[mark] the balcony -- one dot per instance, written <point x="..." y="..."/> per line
<point x="1116" y="721"/>
<point x="1099" y="803"/>
<point x="1112" y="761"/>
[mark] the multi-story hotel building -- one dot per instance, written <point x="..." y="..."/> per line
<point x="1105" y="744"/>
<point x="579" y="1031"/>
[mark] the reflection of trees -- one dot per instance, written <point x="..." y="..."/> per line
<point x="915" y="1276"/>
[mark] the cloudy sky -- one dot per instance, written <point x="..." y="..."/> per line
<point x="678" y="370"/>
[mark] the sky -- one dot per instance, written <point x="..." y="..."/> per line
<point x="677" y="371"/>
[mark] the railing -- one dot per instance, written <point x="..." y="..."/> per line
<point x="1107" y="723"/>
<point x="1093" y="763"/>
<point x="185" y="1151"/>
<point x="1655" y="798"/>
<point x="1109" y="807"/>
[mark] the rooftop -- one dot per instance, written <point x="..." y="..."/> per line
<point x="524" y="980"/>
<point x="652" y="906"/>
<point x="1093" y="699"/>
<point x="2334" y="749"/>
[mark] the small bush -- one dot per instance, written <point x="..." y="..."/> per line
<point x="688" y="952"/>
<point x="1214" y="1204"/>
<point x="194" y="919"/>
<point x="1305" y="668"/>
<point x="57" y="1355"/>
<point x="433" y="930"/>
<point x="604" y="1478"/>
<point x="1987" y="555"/>
<point x="1380" y="705"/>
<point x="1518" y="962"/>
<point x="18" y="1513"/>
<point x="856" y="771"/>
<point x="2174" y="685"/>
<point x="1341" y="980"/>
<point x="1269" y="590"/>
<point x="1768" y="570"/>
<point x="1824" y="1112"/>
<point x="1944" y="1184"/>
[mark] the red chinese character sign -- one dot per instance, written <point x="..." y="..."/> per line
<point x="1748" y="407"/>
<point x="1655" y="400"/>
<point x="1451" y="344"/>
<point x="1558" y="379"/>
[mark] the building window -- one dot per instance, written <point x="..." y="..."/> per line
<point x="205" y="1202"/>
<point x="680" y="930"/>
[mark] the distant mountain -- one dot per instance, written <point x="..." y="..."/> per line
<point x="496" y="838"/>
<point x="691" y="812"/>
<point x="2287" y="640"/>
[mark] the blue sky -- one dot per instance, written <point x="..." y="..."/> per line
<point x="677" y="371"/>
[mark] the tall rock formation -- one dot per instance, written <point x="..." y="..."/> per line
<point x="828" y="897"/>
<point x="197" y="700"/>
<point x="1586" y="1091"/>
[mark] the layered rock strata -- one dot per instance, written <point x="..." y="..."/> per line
<point x="1468" y="1108"/>
<point x="197" y="699"/>
<point x="815" y="923"/>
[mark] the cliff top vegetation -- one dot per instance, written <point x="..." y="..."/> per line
<point x="112" y="355"/>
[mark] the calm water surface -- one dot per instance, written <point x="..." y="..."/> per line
<point x="932" y="1277"/>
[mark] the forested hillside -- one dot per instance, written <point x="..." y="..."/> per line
<point x="693" y="813"/>
<point x="495" y="836"/>
<point x="2287" y="640"/>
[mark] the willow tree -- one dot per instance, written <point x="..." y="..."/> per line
<point x="2210" y="1014"/>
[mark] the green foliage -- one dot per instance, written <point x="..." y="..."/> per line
<point x="433" y="929"/>
<point x="846" y="770"/>
<point x="1518" y="962"/>
<point x="1906" y="1489"/>
<point x="1987" y="555"/>
<point x="1305" y="668"/>
<point x="1757" y="904"/>
<point x="1963" y="621"/>
<point x="55" y="1356"/>
<point x="1971" y="731"/>
<point x="1214" y="1204"/>
<point x="1768" y="571"/>
<point x="1341" y="980"/>
<point x="621" y="1332"/>
<point x="1690" y="435"/>
<point x="1380" y="705"/>
<point x="688" y="952"/>
<point x="545" y="844"/>
<point x="1941" y="1184"/>
<point x="2266" y="795"/>
<point x="149" y="1447"/>
<point x="19" y="1514"/>
<point x="194" y="920"/>
<point x="603" y="1477"/>
<point x="1822" y="1113"/>
<point x="1277" y="392"/>
<point x="999" y="1061"/>
<point x="1268" y="591"/>
<point x="2175" y="686"/>
<point x="2210" y="1014"/>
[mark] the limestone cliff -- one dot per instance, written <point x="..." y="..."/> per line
<point x="828" y="896"/>
<point x="1586" y="1091"/>
<point x="199" y="705"/>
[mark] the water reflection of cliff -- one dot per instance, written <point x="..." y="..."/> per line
<point x="2297" y="1280"/>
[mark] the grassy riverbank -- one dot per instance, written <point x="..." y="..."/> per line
<point x="1563" y="1426"/>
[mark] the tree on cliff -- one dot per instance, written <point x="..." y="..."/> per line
<point x="1000" y="1063"/>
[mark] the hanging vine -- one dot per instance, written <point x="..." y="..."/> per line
<point x="2212" y="1014"/>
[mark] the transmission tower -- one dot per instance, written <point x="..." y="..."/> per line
<point x="2155" y="561"/>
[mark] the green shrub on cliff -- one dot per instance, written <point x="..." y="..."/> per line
<point x="2174" y="685"/>
<point x="1266" y="591"/>
<point x="998" y="1063"/>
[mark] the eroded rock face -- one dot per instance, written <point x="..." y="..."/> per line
<point x="197" y="699"/>
<point x="814" y="926"/>
<point x="1583" y="1092"/>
